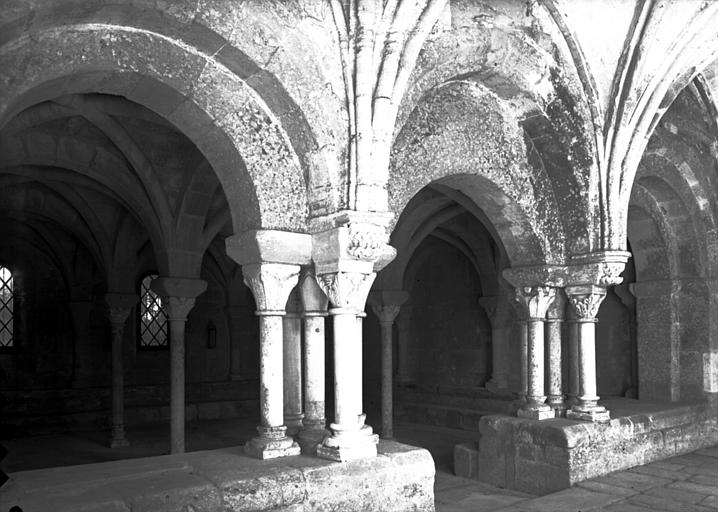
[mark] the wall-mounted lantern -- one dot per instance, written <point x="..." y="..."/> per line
<point x="211" y="335"/>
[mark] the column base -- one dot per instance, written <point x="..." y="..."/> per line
<point x="598" y="414"/>
<point x="119" y="443"/>
<point x="343" y="446"/>
<point x="494" y="385"/>
<point x="294" y="424"/>
<point x="118" y="439"/>
<point x="271" y="444"/>
<point x="558" y="405"/>
<point x="536" y="412"/>
<point x="310" y="438"/>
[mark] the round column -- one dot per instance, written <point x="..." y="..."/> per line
<point x="292" y="324"/>
<point x="315" y="304"/>
<point x="178" y="297"/>
<point x="120" y="306"/>
<point x="271" y="284"/>
<point x="350" y="437"/>
<point x="536" y="300"/>
<point x="554" y="321"/>
<point x="585" y="301"/>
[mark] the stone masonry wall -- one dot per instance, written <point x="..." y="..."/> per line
<point x="543" y="457"/>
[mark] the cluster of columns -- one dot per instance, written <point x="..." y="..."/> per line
<point x="542" y="309"/>
<point x="297" y="280"/>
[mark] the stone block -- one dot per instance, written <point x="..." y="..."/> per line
<point x="263" y="448"/>
<point x="466" y="460"/>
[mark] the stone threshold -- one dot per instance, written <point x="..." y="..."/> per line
<point x="541" y="457"/>
<point x="400" y="478"/>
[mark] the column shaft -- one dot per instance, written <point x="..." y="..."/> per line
<point x="293" y="415"/>
<point x="587" y="365"/>
<point x="347" y="371"/>
<point x="271" y="385"/>
<point x="553" y="345"/>
<point x="535" y="407"/>
<point x="177" y="385"/>
<point x="118" y="438"/>
<point x="314" y="389"/>
<point x="387" y="399"/>
<point x="523" y="359"/>
<point x="573" y="365"/>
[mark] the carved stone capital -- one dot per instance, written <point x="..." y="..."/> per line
<point x="347" y="289"/>
<point x="585" y="301"/>
<point x="556" y="311"/>
<point x="314" y="300"/>
<point x="490" y="305"/>
<point x="535" y="300"/>
<point x="271" y="284"/>
<point x="178" y="294"/>
<point x="119" y="307"/>
<point x="351" y="242"/>
<point x="386" y="313"/>
<point x="178" y="307"/>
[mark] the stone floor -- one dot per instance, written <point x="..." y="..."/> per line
<point x="688" y="482"/>
<point x="684" y="483"/>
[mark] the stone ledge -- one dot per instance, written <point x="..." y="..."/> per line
<point x="540" y="457"/>
<point x="400" y="478"/>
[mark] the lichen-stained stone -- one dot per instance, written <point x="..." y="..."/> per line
<point x="464" y="136"/>
<point x="542" y="457"/>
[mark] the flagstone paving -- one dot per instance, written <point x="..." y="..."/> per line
<point x="684" y="483"/>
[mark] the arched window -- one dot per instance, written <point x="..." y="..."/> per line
<point x="153" y="317"/>
<point x="7" y="309"/>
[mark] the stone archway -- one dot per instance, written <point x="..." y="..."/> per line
<point x="226" y="119"/>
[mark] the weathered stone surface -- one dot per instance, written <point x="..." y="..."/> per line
<point x="540" y="457"/>
<point x="400" y="478"/>
<point x="466" y="460"/>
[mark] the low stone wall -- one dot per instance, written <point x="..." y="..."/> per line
<point x="540" y="457"/>
<point x="59" y="410"/>
<point x="400" y="478"/>
<point x="460" y="409"/>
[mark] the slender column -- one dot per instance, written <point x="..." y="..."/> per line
<point x="536" y="300"/>
<point x="178" y="295"/>
<point x="271" y="284"/>
<point x="350" y="438"/>
<point x="292" y="323"/>
<point x="386" y="306"/>
<point x="554" y="319"/>
<point x="120" y="305"/>
<point x="573" y="379"/>
<point x="315" y="311"/>
<point x="585" y="301"/>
